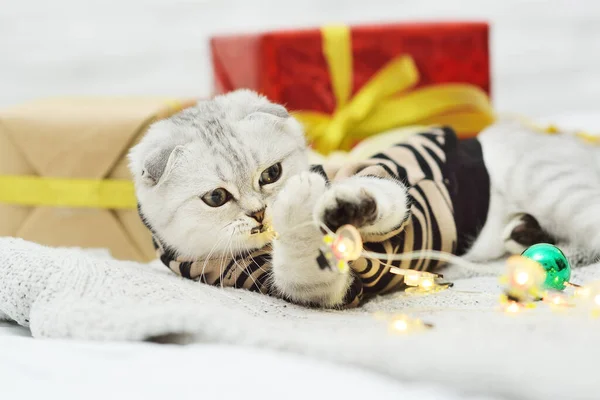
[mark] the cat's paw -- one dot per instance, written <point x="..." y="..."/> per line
<point x="347" y="205"/>
<point x="522" y="231"/>
<point x="373" y="205"/>
<point x="293" y="206"/>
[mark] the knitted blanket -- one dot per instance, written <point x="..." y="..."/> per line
<point x="473" y="348"/>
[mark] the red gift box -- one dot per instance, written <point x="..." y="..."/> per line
<point x="290" y="67"/>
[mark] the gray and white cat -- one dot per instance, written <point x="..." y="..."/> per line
<point x="544" y="188"/>
<point x="213" y="179"/>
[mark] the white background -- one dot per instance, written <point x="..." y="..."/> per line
<point x="545" y="54"/>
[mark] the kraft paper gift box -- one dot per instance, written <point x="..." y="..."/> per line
<point x="64" y="179"/>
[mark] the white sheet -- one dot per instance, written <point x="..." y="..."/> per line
<point x="59" y="369"/>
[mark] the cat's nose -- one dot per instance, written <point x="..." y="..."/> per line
<point x="258" y="215"/>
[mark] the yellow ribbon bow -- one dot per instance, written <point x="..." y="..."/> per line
<point x="377" y="107"/>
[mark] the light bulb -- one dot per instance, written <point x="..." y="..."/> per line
<point x="512" y="307"/>
<point x="412" y="279"/>
<point x="525" y="274"/>
<point x="587" y="298"/>
<point x="582" y="292"/>
<point x="426" y="283"/>
<point x="556" y="300"/>
<point x="347" y="244"/>
<point x="402" y="324"/>
<point x="589" y="293"/>
<point x="522" y="277"/>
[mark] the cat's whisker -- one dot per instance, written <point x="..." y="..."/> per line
<point x="245" y="269"/>
<point x="224" y="259"/>
<point x="207" y="259"/>
<point x="234" y="260"/>
<point x="228" y="225"/>
<point x="249" y="254"/>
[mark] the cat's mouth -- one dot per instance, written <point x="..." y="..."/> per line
<point x="262" y="228"/>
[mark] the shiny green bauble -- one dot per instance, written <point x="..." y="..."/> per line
<point x="554" y="262"/>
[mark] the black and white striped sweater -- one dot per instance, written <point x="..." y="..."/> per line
<point x="448" y="187"/>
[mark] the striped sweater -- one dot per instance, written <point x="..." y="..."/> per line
<point x="448" y="188"/>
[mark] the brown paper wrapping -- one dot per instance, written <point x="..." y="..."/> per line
<point x="78" y="138"/>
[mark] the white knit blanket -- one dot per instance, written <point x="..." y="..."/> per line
<point x="473" y="348"/>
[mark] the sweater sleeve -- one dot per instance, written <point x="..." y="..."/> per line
<point x="420" y="164"/>
<point x="245" y="270"/>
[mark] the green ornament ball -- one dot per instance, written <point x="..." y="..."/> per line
<point x="554" y="262"/>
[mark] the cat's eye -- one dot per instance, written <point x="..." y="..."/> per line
<point x="270" y="175"/>
<point x="217" y="197"/>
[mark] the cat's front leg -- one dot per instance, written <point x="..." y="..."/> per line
<point x="296" y="274"/>
<point x="376" y="206"/>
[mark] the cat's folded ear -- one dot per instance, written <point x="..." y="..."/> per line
<point x="159" y="164"/>
<point x="274" y="109"/>
<point x="248" y="102"/>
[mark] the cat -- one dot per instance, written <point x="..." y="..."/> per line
<point x="226" y="189"/>
<point x="544" y="188"/>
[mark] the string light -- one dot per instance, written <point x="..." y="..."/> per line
<point x="426" y="283"/>
<point x="522" y="278"/>
<point x="412" y="278"/>
<point x="403" y="324"/>
<point x="345" y="245"/>
<point x="588" y="297"/>
<point x="557" y="300"/>
<point x="582" y="292"/>
<point x="525" y="273"/>
<point x="526" y="280"/>
<point x="422" y="279"/>
<point x="513" y="307"/>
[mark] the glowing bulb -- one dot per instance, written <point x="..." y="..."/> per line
<point x="412" y="279"/>
<point x="522" y="278"/>
<point x="400" y="325"/>
<point x="426" y="283"/>
<point x="347" y="244"/>
<point x="556" y="300"/>
<point x="525" y="276"/>
<point x="513" y="307"/>
<point x="588" y="297"/>
<point x="404" y="324"/>
<point x="582" y="292"/>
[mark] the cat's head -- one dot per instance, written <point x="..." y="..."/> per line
<point x="205" y="178"/>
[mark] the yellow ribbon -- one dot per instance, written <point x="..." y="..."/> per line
<point x="67" y="192"/>
<point x="377" y="107"/>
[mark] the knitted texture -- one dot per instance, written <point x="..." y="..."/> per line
<point x="473" y="348"/>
